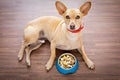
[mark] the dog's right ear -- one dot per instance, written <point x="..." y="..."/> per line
<point x="60" y="7"/>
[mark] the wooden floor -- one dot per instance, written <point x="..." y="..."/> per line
<point x="101" y="37"/>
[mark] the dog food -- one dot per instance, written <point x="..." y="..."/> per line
<point x="67" y="61"/>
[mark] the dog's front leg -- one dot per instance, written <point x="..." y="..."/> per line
<point x="52" y="56"/>
<point x="89" y="63"/>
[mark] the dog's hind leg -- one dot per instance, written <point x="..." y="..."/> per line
<point x="30" y="48"/>
<point x="21" y="52"/>
<point x="31" y="36"/>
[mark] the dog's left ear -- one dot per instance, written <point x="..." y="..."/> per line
<point x="60" y="7"/>
<point x="85" y="8"/>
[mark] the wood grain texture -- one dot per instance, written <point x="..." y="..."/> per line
<point x="101" y="37"/>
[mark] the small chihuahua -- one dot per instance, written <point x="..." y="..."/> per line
<point x="63" y="34"/>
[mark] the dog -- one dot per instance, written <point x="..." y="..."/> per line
<point x="63" y="33"/>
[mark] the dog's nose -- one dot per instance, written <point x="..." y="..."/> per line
<point x="72" y="26"/>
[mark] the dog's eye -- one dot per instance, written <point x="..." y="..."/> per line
<point x="77" y="17"/>
<point x="67" y="17"/>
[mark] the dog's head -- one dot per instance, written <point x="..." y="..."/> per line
<point x="73" y="17"/>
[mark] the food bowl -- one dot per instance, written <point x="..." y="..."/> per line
<point x="67" y="63"/>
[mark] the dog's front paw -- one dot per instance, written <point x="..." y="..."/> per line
<point x="48" y="66"/>
<point x="90" y="64"/>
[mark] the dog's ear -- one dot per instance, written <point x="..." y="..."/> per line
<point x="60" y="7"/>
<point x="85" y="8"/>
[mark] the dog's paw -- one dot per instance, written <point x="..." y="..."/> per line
<point x="48" y="66"/>
<point x="90" y="64"/>
<point x="42" y="41"/>
<point x="19" y="57"/>
<point x="28" y="64"/>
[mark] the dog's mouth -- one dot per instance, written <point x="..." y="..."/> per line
<point x="75" y="30"/>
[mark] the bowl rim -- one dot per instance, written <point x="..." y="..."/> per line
<point x="67" y="54"/>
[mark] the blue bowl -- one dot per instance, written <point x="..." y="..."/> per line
<point x="70" y="70"/>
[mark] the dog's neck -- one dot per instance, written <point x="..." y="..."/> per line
<point x="70" y="35"/>
<point x="76" y="31"/>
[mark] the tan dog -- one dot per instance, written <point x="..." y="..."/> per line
<point x="63" y="34"/>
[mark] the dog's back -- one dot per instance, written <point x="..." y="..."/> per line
<point x="46" y="24"/>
